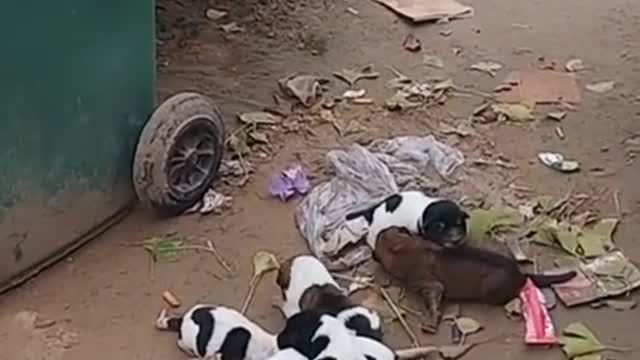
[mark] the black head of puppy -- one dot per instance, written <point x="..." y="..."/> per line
<point x="444" y="223"/>
<point x="298" y="333"/>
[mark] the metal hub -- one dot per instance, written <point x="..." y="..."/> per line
<point x="191" y="159"/>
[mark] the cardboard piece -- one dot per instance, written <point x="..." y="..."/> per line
<point x="609" y="275"/>
<point x="540" y="87"/>
<point x="428" y="10"/>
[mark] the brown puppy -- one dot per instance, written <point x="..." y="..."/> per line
<point x="462" y="274"/>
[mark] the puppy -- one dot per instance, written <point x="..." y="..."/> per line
<point x="288" y="354"/>
<point x="306" y="284"/>
<point x="461" y="274"/>
<point x="208" y="331"/>
<point x="321" y="336"/>
<point x="439" y="220"/>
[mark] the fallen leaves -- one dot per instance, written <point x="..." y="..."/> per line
<point x="577" y="241"/>
<point x="557" y="115"/>
<point x="353" y="75"/>
<point x="513" y="112"/>
<point x="488" y="67"/>
<point x="574" y="65"/>
<point x="467" y="326"/>
<point x="483" y="223"/>
<point x="411" y="43"/>
<point x="577" y="340"/>
<point x="263" y="262"/>
<point x="601" y="87"/>
<point x="164" y="248"/>
<point x="433" y="61"/>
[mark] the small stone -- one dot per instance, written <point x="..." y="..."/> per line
<point x="213" y="14"/>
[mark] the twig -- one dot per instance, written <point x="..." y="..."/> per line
<point x="390" y="302"/>
<point x="219" y="257"/>
<point x="415" y="353"/>
<point x="253" y="284"/>
<point x="398" y="314"/>
<point x="616" y="202"/>
<point x="411" y="311"/>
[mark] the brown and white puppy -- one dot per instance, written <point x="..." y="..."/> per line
<point x="462" y="274"/>
<point x="306" y="284"/>
<point x="210" y="332"/>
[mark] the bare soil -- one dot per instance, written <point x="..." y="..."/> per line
<point x="103" y="300"/>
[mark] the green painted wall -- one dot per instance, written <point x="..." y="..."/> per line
<point x="76" y="87"/>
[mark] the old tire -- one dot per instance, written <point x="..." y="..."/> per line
<point x="179" y="153"/>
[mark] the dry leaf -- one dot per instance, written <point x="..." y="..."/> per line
<point x="412" y="43"/>
<point x="352" y="76"/>
<point x="514" y="112"/>
<point x="433" y="61"/>
<point x="601" y="87"/>
<point x="558" y="162"/>
<point x="621" y="305"/>
<point x="574" y="65"/>
<point x="259" y="118"/>
<point x="259" y="137"/>
<point x="232" y="27"/>
<point x="557" y="115"/>
<point x="468" y="325"/>
<point x="327" y="115"/>
<point x="354" y="93"/>
<point x="444" y="85"/>
<point x="489" y="67"/>
<point x="237" y="143"/>
<point x="214" y="14"/>
<point x="264" y="262"/>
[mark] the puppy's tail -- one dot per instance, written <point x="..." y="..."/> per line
<point x="367" y="213"/>
<point x="170" y="323"/>
<point x="545" y="280"/>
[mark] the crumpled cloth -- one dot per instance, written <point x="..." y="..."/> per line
<point x="362" y="178"/>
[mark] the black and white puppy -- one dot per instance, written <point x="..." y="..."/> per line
<point x="434" y="219"/>
<point x="324" y="337"/>
<point x="209" y="331"/>
<point x="288" y="354"/>
<point x="306" y="284"/>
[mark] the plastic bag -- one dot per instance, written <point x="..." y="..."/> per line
<point x="361" y="179"/>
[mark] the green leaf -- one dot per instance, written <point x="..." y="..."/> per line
<point x="484" y="222"/>
<point x="164" y="248"/>
<point x="577" y="340"/>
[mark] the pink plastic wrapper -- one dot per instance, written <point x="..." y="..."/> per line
<point x="539" y="326"/>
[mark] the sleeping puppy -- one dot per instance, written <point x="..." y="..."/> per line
<point x="288" y="354"/>
<point x="208" y="332"/>
<point x="462" y="274"/>
<point x="322" y="336"/>
<point x="306" y="284"/>
<point x="439" y="220"/>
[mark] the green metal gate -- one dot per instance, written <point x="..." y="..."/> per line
<point x="76" y="88"/>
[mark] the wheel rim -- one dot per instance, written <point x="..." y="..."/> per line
<point x="192" y="158"/>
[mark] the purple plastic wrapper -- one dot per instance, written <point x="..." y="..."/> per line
<point x="289" y="182"/>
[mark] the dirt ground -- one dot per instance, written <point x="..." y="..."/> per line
<point x="102" y="298"/>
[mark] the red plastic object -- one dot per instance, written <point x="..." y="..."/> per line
<point x="539" y="326"/>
